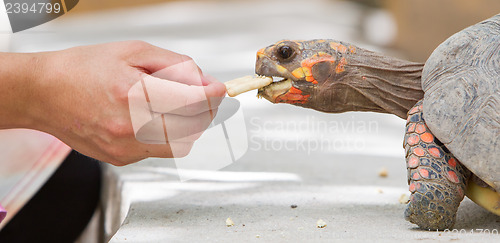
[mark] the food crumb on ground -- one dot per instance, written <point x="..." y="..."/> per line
<point x="321" y="224"/>
<point x="383" y="172"/>
<point x="403" y="199"/>
<point x="229" y="222"/>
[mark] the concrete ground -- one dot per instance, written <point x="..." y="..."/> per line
<point x="299" y="166"/>
<point x="278" y="196"/>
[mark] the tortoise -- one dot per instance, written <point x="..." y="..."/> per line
<point x="451" y="104"/>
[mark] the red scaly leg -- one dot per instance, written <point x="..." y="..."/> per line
<point x="436" y="179"/>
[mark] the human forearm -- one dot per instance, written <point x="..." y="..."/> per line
<point x="18" y="72"/>
<point x="82" y="95"/>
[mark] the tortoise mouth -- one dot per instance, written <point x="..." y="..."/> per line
<point x="282" y="86"/>
<point x="278" y="87"/>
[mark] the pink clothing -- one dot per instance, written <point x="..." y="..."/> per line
<point x="27" y="159"/>
<point x="3" y="213"/>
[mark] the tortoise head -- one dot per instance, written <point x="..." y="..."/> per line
<point x="307" y="69"/>
<point x="334" y="76"/>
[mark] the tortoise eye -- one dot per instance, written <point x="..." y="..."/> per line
<point x="285" y="52"/>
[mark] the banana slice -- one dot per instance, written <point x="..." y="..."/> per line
<point x="241" y="85"/>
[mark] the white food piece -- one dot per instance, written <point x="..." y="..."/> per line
<point x="404" y="199"/>
<point x="229" y="222"/>
<point x="241" y="85"/>
<point x="321" y="224"/>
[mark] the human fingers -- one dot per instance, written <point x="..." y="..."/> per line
<point x="124" y="155"/>
<point x="151" y="58"/>
<point x="186" y="71"/>
<point x="165" y="64"/>
<point x="166" y="96"/>
<point x="174" y="128"/>
<point x="208" y="79"/>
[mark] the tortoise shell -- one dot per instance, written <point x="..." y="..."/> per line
<point x="461" y="81"/>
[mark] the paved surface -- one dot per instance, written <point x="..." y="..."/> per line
<point x="326" y="165"/>
<point x="257" y="193"/>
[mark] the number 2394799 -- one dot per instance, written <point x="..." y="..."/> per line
<point x="33" y="8"/>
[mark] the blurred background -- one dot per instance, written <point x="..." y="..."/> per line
<point x="339" y="183"/>
<point x="413" y="28"/>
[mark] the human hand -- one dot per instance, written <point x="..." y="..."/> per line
<point x="82" y="96"/>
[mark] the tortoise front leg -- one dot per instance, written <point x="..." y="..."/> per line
<point x="437" y="181"/>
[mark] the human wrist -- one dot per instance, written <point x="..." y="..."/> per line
<point x="14" y="77"/>
<point x="17" y="72"/>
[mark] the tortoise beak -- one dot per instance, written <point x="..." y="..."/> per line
<point x="265" y="67"/>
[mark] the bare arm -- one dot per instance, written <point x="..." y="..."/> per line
<point x="81" y="96"/>
<point x="17" y="72"/>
